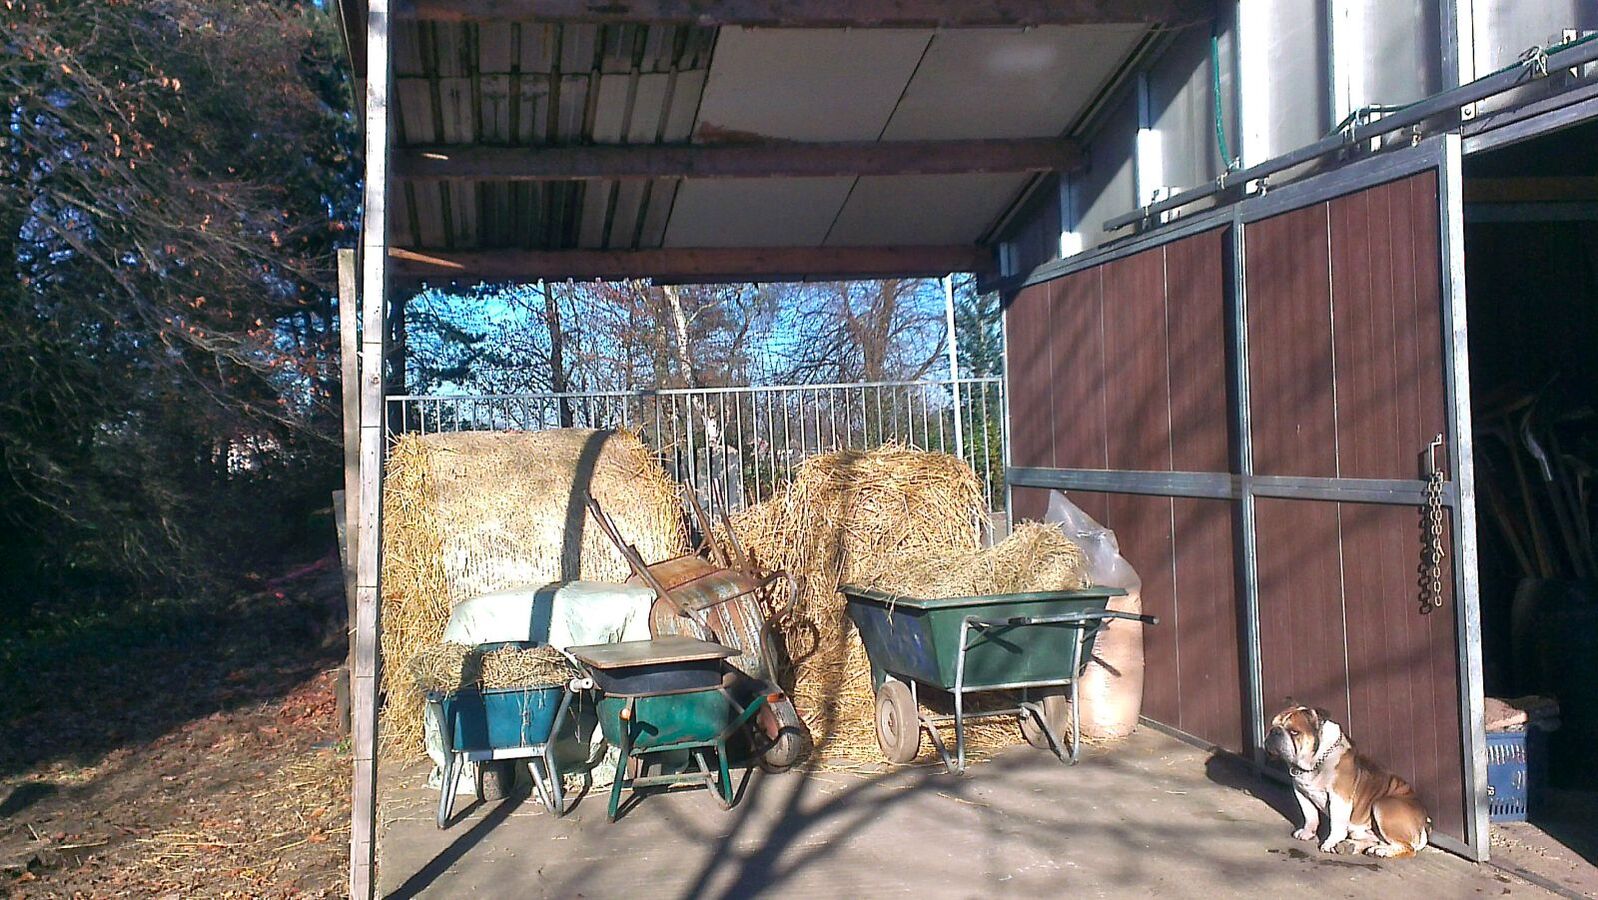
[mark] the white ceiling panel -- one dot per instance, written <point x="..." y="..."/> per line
<point x="742" y="212"/>
<point x="1002" y="84"/>
<point x="809" y="84"/>
<point x="923" y="209"/>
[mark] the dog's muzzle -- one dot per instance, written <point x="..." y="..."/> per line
<point x="1279" y="745"/>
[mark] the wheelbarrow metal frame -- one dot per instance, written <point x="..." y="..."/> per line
<point x="720" y="784"/>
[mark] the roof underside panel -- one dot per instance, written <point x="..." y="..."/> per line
<point x="910" y="84"/>
<point x="536" y="84"/>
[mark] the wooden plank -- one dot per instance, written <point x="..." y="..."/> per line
<point x="1207" y="620"/>
<point x="1196" y="316"/>
<point x="374" y="292"/>
<point x="825" y="13"/>
<point x="1077" y="349"/>
<point x="349" y="313"/>
<point x="1289" y="335"/>
<point x="708" y="264"/>
<point x="764" y="159"/>
<point x="1142" y="526"/>
<point x="1302" y="644"/>
<point x="1027" y="326"/>
<point x="1207" y="624"/>
<point x="1137" y="396"/>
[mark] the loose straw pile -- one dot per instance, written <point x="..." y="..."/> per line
<point x="450" y="667"/>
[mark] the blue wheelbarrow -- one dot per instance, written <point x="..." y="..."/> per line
<point x="494" y="727"/>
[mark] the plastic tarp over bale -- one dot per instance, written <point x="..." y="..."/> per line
<point x="1111" y="688"/>
<point x="471" y="513"/>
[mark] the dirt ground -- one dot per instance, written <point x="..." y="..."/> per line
<point x="179" y="750"/>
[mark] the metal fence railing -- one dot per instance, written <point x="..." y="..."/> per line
<point x="747" y="440"/>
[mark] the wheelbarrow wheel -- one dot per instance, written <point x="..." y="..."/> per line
<point x="793" y="739"/>
<point x="1056" y="711"/>
<point x="898" y="722"/>
<point x="496" y="778"/>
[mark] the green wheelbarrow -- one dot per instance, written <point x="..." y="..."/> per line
<point x="1035" y="643"/>
<point x="671" y="695"/>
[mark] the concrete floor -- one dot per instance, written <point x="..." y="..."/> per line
<point x="1149" y="817"/>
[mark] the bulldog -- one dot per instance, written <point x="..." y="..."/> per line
<point x="1374" y="811"/>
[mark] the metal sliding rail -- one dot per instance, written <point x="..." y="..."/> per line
<point x="1536" y="66"/>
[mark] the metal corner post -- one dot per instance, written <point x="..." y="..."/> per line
<point x="1248" y="549"/>
<point x="374" y="294"/>
<point x="1467" y="588"/>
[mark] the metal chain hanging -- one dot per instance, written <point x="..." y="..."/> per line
<point x="1431" y="571"/>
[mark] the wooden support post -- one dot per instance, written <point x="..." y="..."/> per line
<point x="374" y="293"/>
<point x="349" y="313"/>
<point x="758" y="159"/>
<point x="702" y="264"/>
<point x="823" y="13"/>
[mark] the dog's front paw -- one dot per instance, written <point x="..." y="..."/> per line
<point x="1330" y="845"/>
<point x="1305" y="834"/>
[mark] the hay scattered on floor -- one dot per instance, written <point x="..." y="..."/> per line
<point x="450" y="667"/>
<point x="468" y="513"/>
<point x="1035" y="557"/>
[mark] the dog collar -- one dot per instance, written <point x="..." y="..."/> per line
<point x="1319" y="759"/>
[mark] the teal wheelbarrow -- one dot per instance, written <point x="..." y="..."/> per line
<point x="670" y="697"/>
<point x="496" y="727"/>
<point x="1034" y="643"/>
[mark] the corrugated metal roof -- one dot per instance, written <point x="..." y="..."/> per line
<point x="540" y="84"/>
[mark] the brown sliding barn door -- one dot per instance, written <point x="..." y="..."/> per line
<point x="1250" y="398"/>
<point x="1349" y="379"/>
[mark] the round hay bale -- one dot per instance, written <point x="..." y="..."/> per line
<point x="467" y="513"/>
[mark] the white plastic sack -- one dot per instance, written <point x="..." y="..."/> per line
<point x="568" y="614"/>
<point x="1111" y="689"/>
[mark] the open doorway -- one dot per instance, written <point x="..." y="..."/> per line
<point x="1531" y="249"/>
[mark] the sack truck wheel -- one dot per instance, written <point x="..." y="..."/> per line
<point x="793" y="742"/>
<point x="1057" y="712"/>
<point x="498" y="778"/>
<point x="898" y="722"/>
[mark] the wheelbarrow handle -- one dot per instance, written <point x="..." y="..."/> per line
<point x="1064" y="618"/>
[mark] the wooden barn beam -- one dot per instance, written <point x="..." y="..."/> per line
<point x="368" y="527"/>
<point x="689" y="264"/>
<point x="823" y="13"/>
<point x="773" y="159"/>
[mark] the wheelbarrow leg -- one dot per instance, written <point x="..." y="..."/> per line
<point x="555" y="787"/>
<point x="1076" y="706"/>
<point x="625" y="751"/>
<point x="449" y="779"/>
<point x="959" y="697"/>
<point x="725" y="784"/>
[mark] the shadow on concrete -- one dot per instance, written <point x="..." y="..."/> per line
<point x="1229" y="771"/>
<point x="439" y="864"/>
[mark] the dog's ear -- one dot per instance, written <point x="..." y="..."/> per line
<point x="1322" y="716"/>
